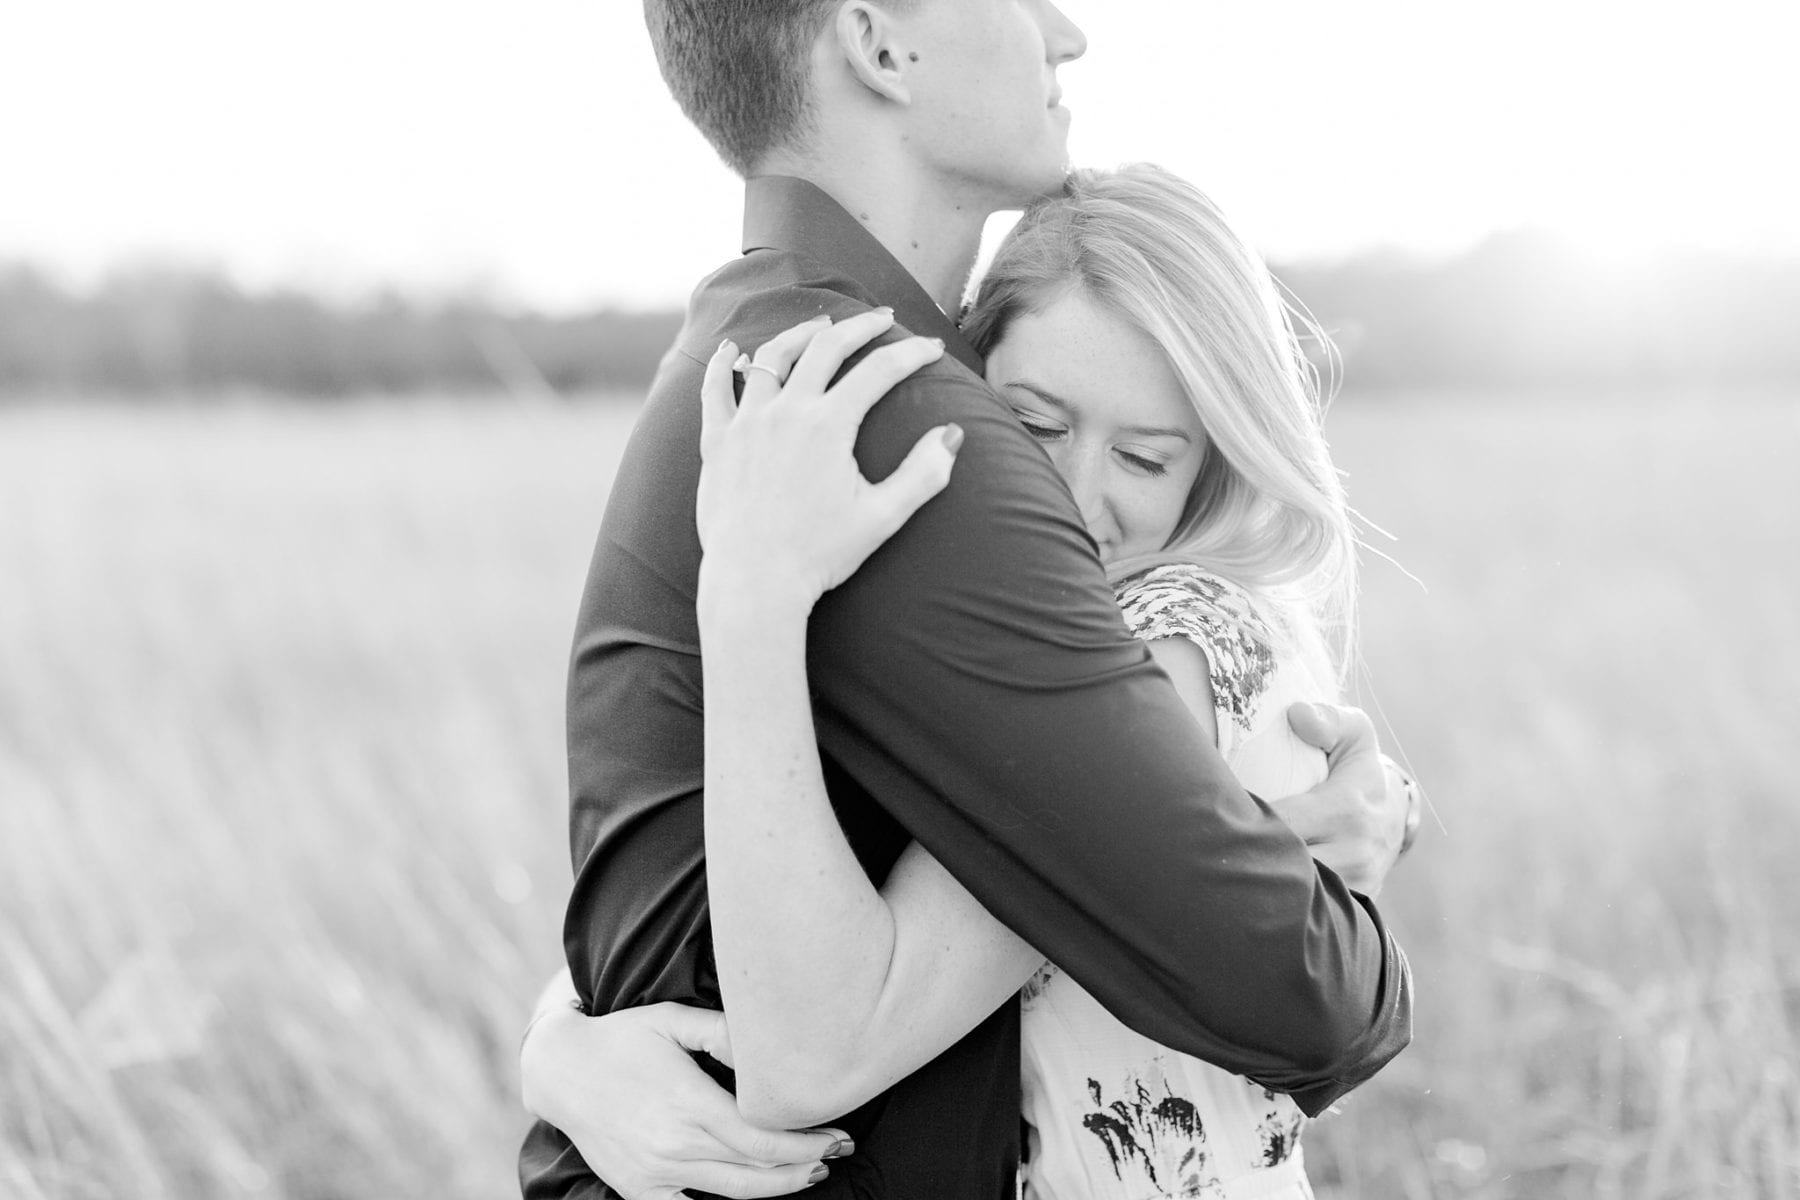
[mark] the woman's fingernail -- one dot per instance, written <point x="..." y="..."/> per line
<point x="938" y="342"/>
<point x="818" y="1174"/>
<point x="953" y="438"/>
<point x="724" y="346"/>
<point x="884" y="310"/>
<point x="844" y="1148"/>
<point x="742" y="364"/>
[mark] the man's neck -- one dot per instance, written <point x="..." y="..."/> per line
<point x="933" y="234"/>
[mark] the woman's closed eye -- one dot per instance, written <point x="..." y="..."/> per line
<point x="1041" y="428"/>
<point x="1149" y="466"/>
<point x="1045" y="430"/>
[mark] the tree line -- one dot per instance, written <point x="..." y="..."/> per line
<point x="181" y="333"/>
<point x="1522" y="309"/>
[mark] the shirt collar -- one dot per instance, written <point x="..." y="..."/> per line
<point x="785" y="213"/>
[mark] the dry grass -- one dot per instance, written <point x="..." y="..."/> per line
<point x="281" y="853"/>
<point x="1599" y="690"/>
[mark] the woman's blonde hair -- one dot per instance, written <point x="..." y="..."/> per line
<point x="1268" y="509"/>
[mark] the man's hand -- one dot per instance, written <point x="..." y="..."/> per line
<point x="647" y="1119"/>
<point x="1359" y="820"/>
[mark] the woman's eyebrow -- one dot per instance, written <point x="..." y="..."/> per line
<point x="1043" y="393"/>
<point x="1051" y="398"/>
<point x="1168" y="431"/>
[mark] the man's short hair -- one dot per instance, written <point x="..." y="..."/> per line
<point x="740" y="69"/>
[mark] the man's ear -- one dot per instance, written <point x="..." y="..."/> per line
<point x="870" y="43"/>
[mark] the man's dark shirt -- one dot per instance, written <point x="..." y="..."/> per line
<point x="974" y="688"/>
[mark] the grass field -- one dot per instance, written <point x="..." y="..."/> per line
<point x="281" y="799"/>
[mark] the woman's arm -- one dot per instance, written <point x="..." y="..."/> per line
<point x="1350" y="842"/>
<point x="833" y="989"/>
<point x="1189" y="669"/>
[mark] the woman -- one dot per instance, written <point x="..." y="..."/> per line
<point x="1148" y="350"/>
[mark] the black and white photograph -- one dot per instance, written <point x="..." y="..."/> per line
<point x="899" y="600"/>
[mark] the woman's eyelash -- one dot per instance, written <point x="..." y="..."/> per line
<point x="1049" y="433"/>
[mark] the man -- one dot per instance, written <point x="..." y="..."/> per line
<point x="876" y="136"/>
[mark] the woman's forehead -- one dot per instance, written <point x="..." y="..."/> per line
<point x="1077" y="355"/>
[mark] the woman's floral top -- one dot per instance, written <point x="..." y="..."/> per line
<point x="1183" y="600"/>
<point x="1113" y="1115"/>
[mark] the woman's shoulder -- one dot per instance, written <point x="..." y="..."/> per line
<point x="1185" y="600"/>
<point x="1175" y="599"/>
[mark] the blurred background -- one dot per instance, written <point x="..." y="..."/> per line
<point x="321" y="327"/>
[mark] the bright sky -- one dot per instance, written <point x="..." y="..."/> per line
<point x="530" y="148"/>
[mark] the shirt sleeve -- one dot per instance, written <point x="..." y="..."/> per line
<point x="976" y="678"/>
<point x="1180" y="600"/>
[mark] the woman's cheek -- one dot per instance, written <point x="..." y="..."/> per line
<point x="1160" y="515"/>
<point x="1144" y="531"/>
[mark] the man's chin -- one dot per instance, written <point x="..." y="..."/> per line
<point x="1045" y="181"/>
<point x="1023" y="183"/>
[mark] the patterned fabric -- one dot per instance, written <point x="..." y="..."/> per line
<point x="1183" y="600"/>
<point x="1112" y="1115"/>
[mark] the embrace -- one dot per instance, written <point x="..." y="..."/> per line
<point x="1015" y="837"/>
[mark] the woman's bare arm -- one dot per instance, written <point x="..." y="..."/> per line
<point x="833" y="990"/>
<point x="1188" y="668"/>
